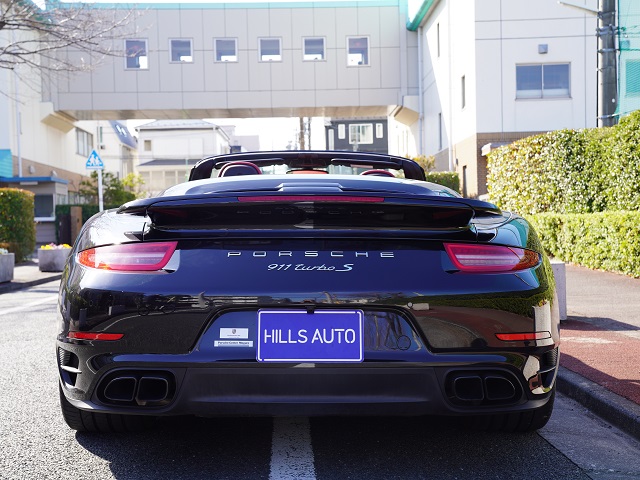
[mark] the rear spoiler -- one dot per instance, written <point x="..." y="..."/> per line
<point x="251" y="215"/>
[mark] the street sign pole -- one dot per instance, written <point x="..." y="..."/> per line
<point x="100" y="205"/>
<point x="94" y="162"/>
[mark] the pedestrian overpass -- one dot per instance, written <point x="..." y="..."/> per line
<point x="326" y="59"/>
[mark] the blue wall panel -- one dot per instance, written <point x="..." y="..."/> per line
<point x="6" y="163"/>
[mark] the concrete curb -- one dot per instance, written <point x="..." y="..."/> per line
<point x="613" y="408"/>
<point x="13" y="286"/>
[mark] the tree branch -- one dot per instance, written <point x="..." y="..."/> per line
<point x="41" y="39"/>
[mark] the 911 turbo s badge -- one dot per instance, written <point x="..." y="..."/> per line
<point x="310" y="254"/>
<point x="284" y="255"/>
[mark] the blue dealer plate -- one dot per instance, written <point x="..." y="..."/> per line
<point x="298" y="336"/>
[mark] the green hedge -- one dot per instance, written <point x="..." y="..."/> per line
<point x="17" y="226"/>
<point x="447" y="179"/>
<point x="608" y="240"/>
<point x="560" y="171"/>
<point x="88" y="211"/>
<point x="623" y="165"/>
<point x="569" y="171"/>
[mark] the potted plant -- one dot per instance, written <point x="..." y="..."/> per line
<point x="7" y="262"/>
<point x="52" y="257"/>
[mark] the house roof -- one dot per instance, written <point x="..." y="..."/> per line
<point x="123" y="133"/>
<point x="166" y="162"/>
<point x="33" y="179"/>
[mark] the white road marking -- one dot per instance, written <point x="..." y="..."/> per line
<point x="291" y="451"/>
<point x="27" y="306"/>
<point x="587" y="340"/>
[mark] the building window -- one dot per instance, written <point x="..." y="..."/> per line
<point x="136" y="54"/>
<point x="181" y="50"/>
<point x="147" y="145"/>
<point x="357" y="51"/>
<point x="440" y="131"/>
<point x="361" y="134"/>
<point x="226" y="49"/>
<point x="379" y="130"/>
<point x="270" y="50"/>
<point x="84" y="143"/>
<point x="463" y="91"/>
<point x="632" y="77"/>
<point x="43" y="206"/>
<point x="313" y="49"/>
<point x="341" y="132"/>
<point x="542" y="80"/>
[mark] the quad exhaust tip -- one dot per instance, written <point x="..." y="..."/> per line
<point x="143" y="389"/>
<point x="121" y="389"/>
<point x="482" y="388"/>
<point x="152" y="390"/>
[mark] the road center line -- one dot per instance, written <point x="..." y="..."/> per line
<point x="27" y="306"/>
<point x="291" y="451"/>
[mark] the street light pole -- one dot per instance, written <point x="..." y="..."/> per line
<point x="607" y="68"/>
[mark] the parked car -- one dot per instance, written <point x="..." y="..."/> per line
<point x="307" y="283"/>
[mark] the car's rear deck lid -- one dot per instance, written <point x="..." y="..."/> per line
<point x="306" y="215"/>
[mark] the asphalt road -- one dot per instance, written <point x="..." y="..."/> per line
<point x="36" y="444"/>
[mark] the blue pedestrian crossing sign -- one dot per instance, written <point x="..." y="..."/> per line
<point x="94" y="162"/>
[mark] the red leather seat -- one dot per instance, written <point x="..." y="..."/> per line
<point x="233" y="169"/>
<point x="378" y="172"/>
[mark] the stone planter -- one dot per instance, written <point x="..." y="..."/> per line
<point x="7" y="262"/>
<point x="52" y="260"/>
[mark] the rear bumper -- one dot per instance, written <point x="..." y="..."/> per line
<point x="311" y="390"/>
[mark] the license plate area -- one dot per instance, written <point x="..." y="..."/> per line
<point x="299" y="336"/>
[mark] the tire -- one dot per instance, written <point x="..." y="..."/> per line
<point x="519" y="422"/>
<point x="95" y="422"/>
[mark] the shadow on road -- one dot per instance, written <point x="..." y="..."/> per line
<point x="188" y="447"/>
<point x="343" y="448"/>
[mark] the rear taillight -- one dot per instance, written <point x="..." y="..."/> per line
<point x="109" y="337"/>
<point x="490" y="258"/>
<point x="128" y="257"/>
<point x="523" y="337"/>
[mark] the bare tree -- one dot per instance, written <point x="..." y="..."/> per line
<point x="40" y="37"/>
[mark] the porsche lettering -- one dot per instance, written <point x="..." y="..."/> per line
<point x="309" y="254"/>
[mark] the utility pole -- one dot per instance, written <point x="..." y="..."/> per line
<point x="607" y="68"/>
<point x="301" y="139"/>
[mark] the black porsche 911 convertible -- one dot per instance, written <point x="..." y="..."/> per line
<point x="307" y="283"/>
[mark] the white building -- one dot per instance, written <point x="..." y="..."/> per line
<point x="495" y="71"/>
<point x="167" y="149"/>
<point x="112" y="140"/>
<point x="241" y="143"/>
<point x="45" y="152"/>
